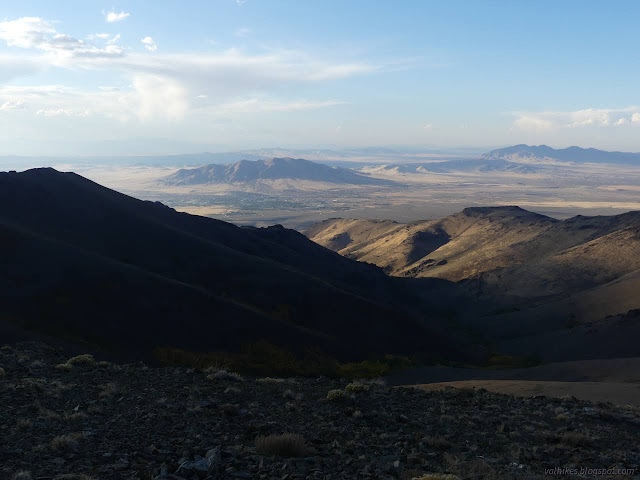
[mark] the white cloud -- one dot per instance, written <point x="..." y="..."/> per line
<point x="36" y="33"/>
<point x="635" y="118"/>
<point x="240" y="2"/>
<point x="149" y="44"/>
<point x="11" y="105"/>
<point x="26" y="32"/>
<point x="589" y="116"/>
<point x="160" y="96"/>
<point x="115" y="16"/>
<point x="61" y="112"/>
<point x="427" y="126"/>
<point x="242" y="32"/>
<point x="586" y="118"/>
<point x="533" y="122"/>
<point x="160" y="87"/>
<point x="260" y="105"/>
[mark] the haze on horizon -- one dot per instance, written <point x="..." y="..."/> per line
<point x="80" y="78"/>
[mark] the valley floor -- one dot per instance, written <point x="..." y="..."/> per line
<point x="109" y="421"/>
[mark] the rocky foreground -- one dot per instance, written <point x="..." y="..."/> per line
<point x="79" y="419"/>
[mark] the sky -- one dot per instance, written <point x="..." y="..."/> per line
<point x="136" y="77"/>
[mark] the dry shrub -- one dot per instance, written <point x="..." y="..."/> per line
<point x="285" y="445"/>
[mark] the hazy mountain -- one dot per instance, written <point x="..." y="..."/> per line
<point x="88" y="264"/>
<point x="459" y="165"/>
<point x="272" y="169"/>
<point x="570" y="154"/>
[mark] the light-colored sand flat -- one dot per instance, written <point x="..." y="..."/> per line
<point x="618" y="393"/>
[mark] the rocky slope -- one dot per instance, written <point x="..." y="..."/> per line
<point x="77" y="419"/>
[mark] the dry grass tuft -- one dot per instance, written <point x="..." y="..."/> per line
<point x="44" y="412"/>
<point x="24" y="424"/>
<point x="285" y="445"/>
<point x="22" y="475"/>
<point x="75" y="418"/>
<point x="357" y="387"/>
<point x="85" y="360"/>
<point x="270" y="380"/>
<point x="336" y="395"/>
<point x="225" y="375"/>
<point x="67" y="443"/>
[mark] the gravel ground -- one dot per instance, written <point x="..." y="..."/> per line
<point x="104" y="421"/>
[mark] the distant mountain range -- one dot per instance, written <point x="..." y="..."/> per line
<point x="458" y="165"/>
<point x="570" y="154"/>
<point x="271" y="169"/>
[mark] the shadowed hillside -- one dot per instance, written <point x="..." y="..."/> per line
<point x="89" y="264"/>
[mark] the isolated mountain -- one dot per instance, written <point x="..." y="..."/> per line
<point x="273" y="169"/>
<point x="88" y="264"/>
<point x="459" y="165"/>
<point x="570" y="154"/>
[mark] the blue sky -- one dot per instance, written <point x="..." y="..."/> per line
<point x="87" y="77"/>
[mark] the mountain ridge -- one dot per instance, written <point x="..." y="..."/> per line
<point x="569" y="154"/>
<point x="133" y="275"/>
